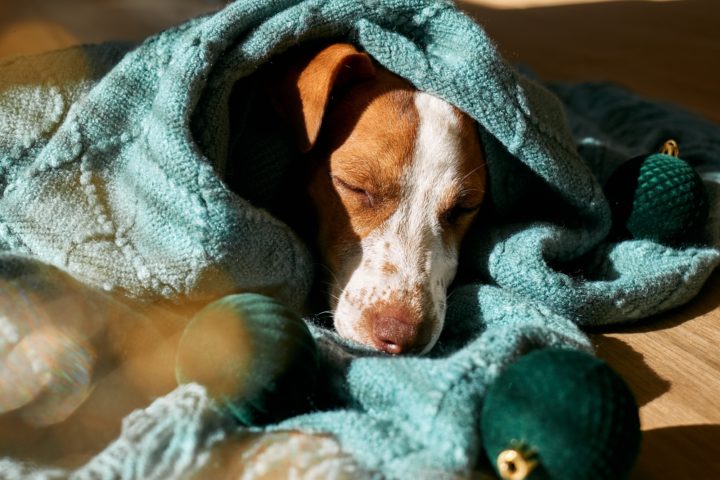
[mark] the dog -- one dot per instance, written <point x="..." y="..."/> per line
<point x="396" y="178"/>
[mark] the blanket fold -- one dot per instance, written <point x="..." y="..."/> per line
<point x="112" y="168"/>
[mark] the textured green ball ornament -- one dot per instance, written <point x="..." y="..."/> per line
<point x="253" y="354"/>
<point x="560" y="414"/>
<point x="658" y="197"/>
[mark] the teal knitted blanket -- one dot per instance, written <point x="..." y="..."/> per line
<point x="111" y="169"/>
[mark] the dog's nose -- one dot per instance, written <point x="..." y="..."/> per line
<point x="396" y="335"/>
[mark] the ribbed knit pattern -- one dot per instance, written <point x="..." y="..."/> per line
<point x="111" y="163"/>
<point x="658" y="197"/>
<point x="670" y="202"/>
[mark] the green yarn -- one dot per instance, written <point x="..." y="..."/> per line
<point x="571" y="409"/>
<point x="659" y="197"/>
<point x="253" y="354"/>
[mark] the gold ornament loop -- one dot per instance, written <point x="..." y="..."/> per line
<point x="516" y="463"/>
<point x="670" y="148"/>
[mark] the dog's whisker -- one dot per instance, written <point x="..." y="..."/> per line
<point x="471" y="172"/>
<point x="332" y="274"/>
<point x="327" y="313"/>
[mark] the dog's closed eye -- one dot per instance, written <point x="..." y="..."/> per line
<point x="454" y="214"/>
<point x="361" y="193"/>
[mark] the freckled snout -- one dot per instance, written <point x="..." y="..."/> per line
<point x="397" y="331"/>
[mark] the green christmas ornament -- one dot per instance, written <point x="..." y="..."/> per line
<point x="658" y="197"/>
<point x="560" y="414"/>
<point x="253" y="354"/>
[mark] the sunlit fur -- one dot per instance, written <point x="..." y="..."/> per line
<point x="397" y="252"/>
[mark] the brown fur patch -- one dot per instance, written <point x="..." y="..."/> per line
<point x="366" y="141"/>
<point x="303" y="81"/>
<point x="370" y="143"/>
<point x="389" y="268"/>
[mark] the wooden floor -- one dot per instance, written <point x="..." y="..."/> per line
<point x="664" y="50"/>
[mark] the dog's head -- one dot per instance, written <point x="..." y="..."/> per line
<point x="399" y="176"/>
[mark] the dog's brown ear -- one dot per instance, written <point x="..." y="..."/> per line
<point x="304" y="81"/>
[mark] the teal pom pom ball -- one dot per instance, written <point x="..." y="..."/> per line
<point x="253" y="354"/>
<point x="560" y="414"/>
<point x="658" y="197"/>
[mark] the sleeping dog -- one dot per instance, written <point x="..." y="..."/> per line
<point x="397" y="177"/>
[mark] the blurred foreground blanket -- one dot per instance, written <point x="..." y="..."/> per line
<point x="112" y="160"/>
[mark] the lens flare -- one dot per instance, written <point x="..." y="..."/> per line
<point x="45" y="362"/>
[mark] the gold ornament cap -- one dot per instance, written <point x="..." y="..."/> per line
<point x="516" y="463"/>
<point x="670" y="148"/>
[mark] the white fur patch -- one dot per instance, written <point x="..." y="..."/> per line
<point x="411" y="240"/>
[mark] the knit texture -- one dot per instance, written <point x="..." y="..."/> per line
<point x="112" y="160"/>
<point x="658" y="197"/>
